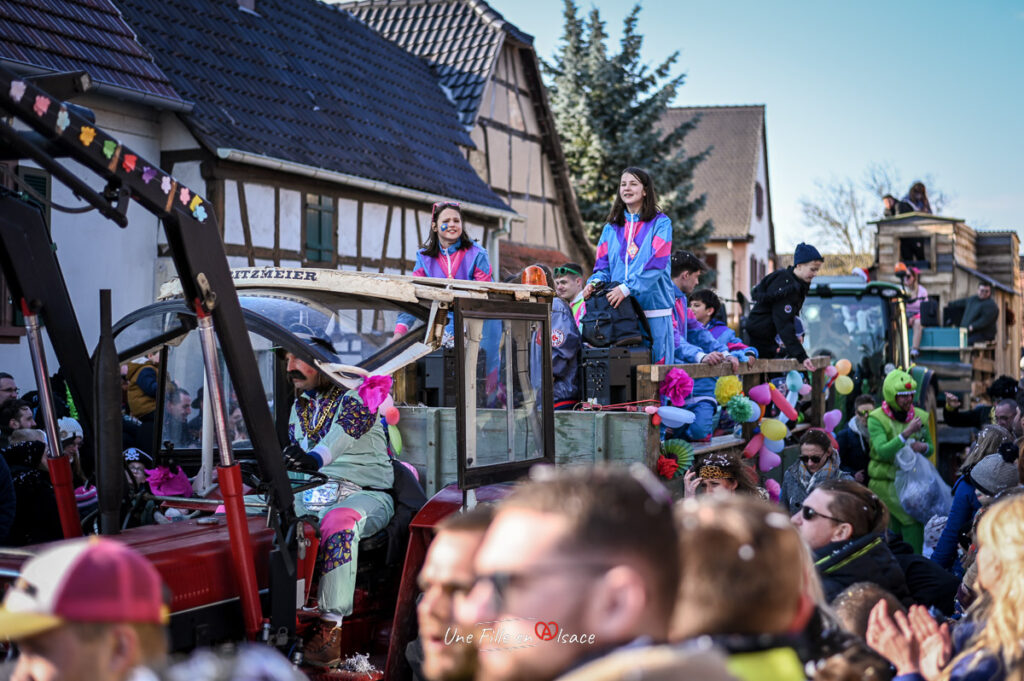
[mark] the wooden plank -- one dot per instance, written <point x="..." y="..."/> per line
<point x="722" y="442"/>
<point x="647" y="389"/>
<point x="754" y="366"/>
<point x="984" y="364"/>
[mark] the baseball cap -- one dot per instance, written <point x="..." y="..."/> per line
<point x="94" y="580"/>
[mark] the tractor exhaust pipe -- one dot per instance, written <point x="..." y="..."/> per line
<point x="109" y="467"/>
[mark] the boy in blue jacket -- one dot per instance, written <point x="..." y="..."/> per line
<point x="704" y="306"/>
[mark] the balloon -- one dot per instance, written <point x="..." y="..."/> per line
<point x="392" y="415"/>
<point x="844" y="385"/>
<point x="757" y="412"/>
<point x="761" y="394"/>
<point x="675" y="417"/>
<point x="774" y="445"/>
<point x="832" y="419"/>
<point x="651" y="409"/>
<point x="831" y="371"/>
<point x="754" y="446"/>
<point x="793" y="398"/>
<point x="396" y="440"/>
<point x="656" y="420"/>
<point x="794" y="380"/>
<point x="767" y="460"/>
<point x="843" y="366"/>
<point x="773" y="429"/>
<point x="780" y="401"/>
<point x="805" y="389"/>
<point x="774" y="490"/>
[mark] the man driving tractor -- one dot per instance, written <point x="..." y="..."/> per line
<point x="331" y="430"/>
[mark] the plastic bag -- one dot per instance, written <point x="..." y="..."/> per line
<point x="921" y="490"/>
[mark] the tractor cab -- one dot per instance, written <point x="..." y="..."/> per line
<point x="866" y="323"/>
<point x="342" y="323"/>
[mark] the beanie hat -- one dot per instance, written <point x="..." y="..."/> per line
<point x="805" y="253"/>
<point x="69" y="428"/>
<point x="996" y="472"/>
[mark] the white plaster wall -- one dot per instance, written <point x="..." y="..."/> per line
<point x="232" y="214"/>
<point x="375" y="217"/>
<point x="761" y="244"/>
<point x="94" y="252"/>
<point x="723" y="283"/>
<point x="348" y="213"/>
<point x="260" y="202"/>
<point x="291" y="220"/>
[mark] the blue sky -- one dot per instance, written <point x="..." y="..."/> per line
<point x="931" y="88"/>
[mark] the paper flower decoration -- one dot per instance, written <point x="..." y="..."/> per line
<point x="726" y="388"/>
<point x="681" y="451"/>
<point x="741" y="409"/>
<point x="373" y="390"/>
<point x="676" y="386"/>
<point x="667" y="467"/>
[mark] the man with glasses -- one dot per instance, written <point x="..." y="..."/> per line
<point x="853" y="440"/>
<point x="569" y="287"/>
<point x="576" y="564"/>
<point x="444" y="652"/>
<point x="8" y="387"/>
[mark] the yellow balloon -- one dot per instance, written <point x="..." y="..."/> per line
<point x="843" y="367"/>
<point x="773" y="429"/>
<point x="844" y="385"/>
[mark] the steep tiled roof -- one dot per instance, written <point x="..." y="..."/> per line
<point x="72" y="35"/>
<point x="305" y="82"/>
<point x="460" y="39"/>
<point x="727" y="176"/>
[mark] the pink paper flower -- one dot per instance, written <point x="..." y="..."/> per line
<point x="677" y="386"/>
<point x="164" y="483"/>
<point x="373" y="391"/>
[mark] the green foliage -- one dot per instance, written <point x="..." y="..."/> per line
<point x="607" y="107"/>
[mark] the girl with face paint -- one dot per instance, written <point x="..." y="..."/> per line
<point x="449" y="253"/>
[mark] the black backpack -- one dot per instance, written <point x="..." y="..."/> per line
<point x="604" y="326"/>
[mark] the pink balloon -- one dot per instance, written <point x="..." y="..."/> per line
<point x="391" y="415"/>
<point x="767" y="460"/>
<point x="774" y="490"/>
<point x="760" y="394"/>
<point x="784" y="406"/>
<point x="753" y="446"/>
<point x="832" y="419"/>
<point x="805" y="389"/>
<point x="651" y="409"/>
<point x="831" y="371"/>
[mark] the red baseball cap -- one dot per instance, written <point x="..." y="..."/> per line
<point x="94" y="580"/>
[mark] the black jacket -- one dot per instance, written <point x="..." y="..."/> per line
<point x="36" y="518"/>
<point x="981" y="316"/>
<point x="866" y="559"/>
<point x="778" y="298"/>
<point x="929" y="584"/>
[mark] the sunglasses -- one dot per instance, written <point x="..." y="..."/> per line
<point x="809" y="514"/>
<point x="811" y="459"/>
<point x="559" y="271"/>
<point x="863" y="412"/>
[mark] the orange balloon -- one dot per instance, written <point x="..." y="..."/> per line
<point x="843" y="367"/>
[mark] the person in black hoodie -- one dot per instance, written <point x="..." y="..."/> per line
<point x="844" y="522"/>
<point x="777" y="301"/>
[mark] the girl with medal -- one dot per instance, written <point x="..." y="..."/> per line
<point x="634" y="250"/>
<point x="449" y="253"/>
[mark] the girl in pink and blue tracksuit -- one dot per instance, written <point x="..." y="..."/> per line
<point x="448" y="254"/>
<point x="634" y="250"/>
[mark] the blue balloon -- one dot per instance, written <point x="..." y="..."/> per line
<point x="775" y="446"/>
<point x="794" y="380"/>
<point x="675" y="417"/>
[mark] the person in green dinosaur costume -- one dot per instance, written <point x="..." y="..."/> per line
<point x="890" y="427"/>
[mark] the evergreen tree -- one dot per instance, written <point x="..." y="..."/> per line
<point x="606" y="110"/>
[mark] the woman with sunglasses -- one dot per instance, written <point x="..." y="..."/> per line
<point x="634" y="251"/>
<point x="818" y="462"/>
<point x="843" y="523"/>
<point x="449" y="253"/>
